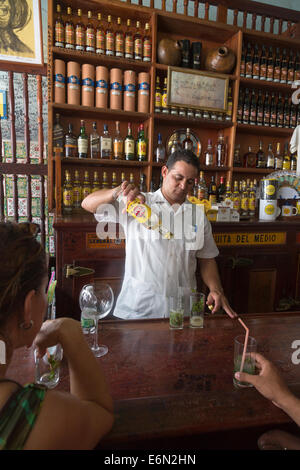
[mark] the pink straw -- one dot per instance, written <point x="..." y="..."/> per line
<point x="245" y="344"/>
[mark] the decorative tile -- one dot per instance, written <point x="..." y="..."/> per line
<point x="10" y="207"/>
<point x="51" y="245"/>
<point x="22" y="207"/>
<point x="36" y="186"/>
<point x="35" y="209"/>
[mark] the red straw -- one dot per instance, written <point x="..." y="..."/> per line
<point x="245" y="344"/>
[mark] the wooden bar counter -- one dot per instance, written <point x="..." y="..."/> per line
<point x="173" y="389"/>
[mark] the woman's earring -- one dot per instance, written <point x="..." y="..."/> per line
<point x="23" y="325"/>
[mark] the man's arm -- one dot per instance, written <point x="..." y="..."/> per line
<point x="210" y="276"/>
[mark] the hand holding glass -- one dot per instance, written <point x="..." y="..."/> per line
<point x="47" y="368"/>
<point x="249" y="362"/>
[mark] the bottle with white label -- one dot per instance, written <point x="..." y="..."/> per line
<point x="88" y="320"/>
<point x="105" y="143"/>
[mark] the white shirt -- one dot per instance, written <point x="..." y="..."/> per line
<point x="156" y="267"/>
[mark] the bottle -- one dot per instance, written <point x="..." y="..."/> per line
<point x="244" y="200"/>
<point x="294" y="161"/>
<point x="273" y="111"/>
<point x="105" y="143"/>
<point x="90" y="35"/>
<point x="252" y="200"/>
<point x="105" y="184"/>
<point x="82" y="141"/>
<point x="147" y="49"/>
<point x="109" y="38"/>
<point x="119" y="40"/>
<point x="236" y="198"/>
<point x="260" y="109"/>
<point x="67" y="193"/>
<point x="221" y="189"/>
<point x="212" y="191"/>
<point x="160" y="151"/>
<point x="209" y="154"/>
<point x="220" y="151"/>
<point x="277" y="66"/>
<point x="59" y="28"/>
<point x="114" y="182"/>
<point x="70" y="143"/>
<point x="164" y="98"/>
<point x="255" y="63"/>
<point x="131" y="178"/>
<point x="228" y="115"/>
<point x="253" y="109"/>
<point x="118" y="144"/>
<point x="175" y="144"/>
<point x="236" y="156"/>
<point x="240" y="107"/>
<point x="263" y="64"/>
<point x="58" y="135"/>
<point x="284" y="67"/>
<point x="202" y="190"/>
<point x="248" y="60"/>
<point x="86" y="187"/>
<point x="158" y="96"/>
<point x="187" y="144"/>
<point x="128" y="42"/>
<point x="129" y="145"/>
<point x="286" y="165"/>
<point x="279" y="111"/>
<point x="69" y="31"/>
<point x="77" y="191"/>
<point x="270" y="65"/>
<point x="142" y="185"/>
<point x="123" y="178"/>
<point x="270" y="157"/>
<point x="291" y="68"/>
<point x="286" y="112"/>
<point x="147" y="217"/>
<point x="297" y="67"/>
<point x="250" y="159"/>
<point x="137" y="43"/>
<point x="79" y="33"/>
<point x="278" y="158"/>
<point x="100" y="36"/>
<point x="267" y="110"/>
<point x="141" y="145"/>
<point x="95" y="142"/>
<point x="260" y="157"/>
<point x="293" y="116"/>
<point x="246" y="107"/>
<point x="243" y="62"/>
<point x="96" y="182"/>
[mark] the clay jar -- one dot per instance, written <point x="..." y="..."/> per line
<point x="169" y="52"/>
<point x="221" y="60"/>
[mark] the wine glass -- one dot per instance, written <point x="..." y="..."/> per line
<point x="96" y="300"/>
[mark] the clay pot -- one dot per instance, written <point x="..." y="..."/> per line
<point x="169" y="52"/>
<point x="221" y="60"/>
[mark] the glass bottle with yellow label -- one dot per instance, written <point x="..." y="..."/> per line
<point x="69" y="31"/>
<point x="252" y="200"/>
<point x="141" y="145"/>
<point x="119" y="40"/>
<point x="67" y="193"/>
<point x="105" y="184"/>
<point x="244" y="200"/>
<point x="138" y="43"/>
<point x="118" y="144"/>
<point x="109" y="39"/>
<point x="90" y="35"/>
<point x="79" y="33"/>
<point x="114" y="182"/>
<point x="77" y="191"/>
<point x="96" y="182"/>
<point x="236" y="198"/>
<point x="164" y="98"/>
<point x="100" y="36"/>
<point x="86" y="187"/>
<point x="147" y="44"/>
<point x="286" y="158"/>
<point x="128" y="41"/>
<point x="158" y="96"/>
<point x="59" y="29"/>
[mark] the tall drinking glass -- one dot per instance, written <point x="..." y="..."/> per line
<point x="249" y="362"/>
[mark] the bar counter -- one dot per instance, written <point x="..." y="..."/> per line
<point x="173" y="389"/>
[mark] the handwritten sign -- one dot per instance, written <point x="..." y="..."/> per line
<point x="201" y="90"/>
<point x="261" y="238"/>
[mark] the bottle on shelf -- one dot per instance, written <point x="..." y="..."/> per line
<point x="253" y="109"/>
<point x="129" y="152"/>
<point x="263" y="64"/>
<point x="279" y="111"/>
<point x="273" y="111"/>
<point x="142" y="185"/>
<point x="86" y="187"/>
<point x="291" y="68"/>
<point x="248" y="65"/>
<point x="212" y="191"/>
<point x="255" y="63"/>
<point x="95" y="142"/>
<point x="100" y="36"/>
<point x="237" y="156"/>
<point x="70" y="143"/>
<point x="267" y="110"/>
<point x="82" y="141"/>
<point x="58" y="134"/>
<point x="297" y="67"/>
<point x="105" y="184"/>
<point x="236" y="197"/>
<point x="222" y="189"/>
<point x="209" y="154"/>
<point x="244" y="200"/>
<point x="187" y="144"/>
<point x="79" y="33"/>
<point x="220" y="151"/>
<point x="141" y="145"/>
<point x="96" y="182"/>
<point x="284" y="67"/>
<point x="147" y="49"/>
<point x="118" y="144"/>
<point x="286" y="112"/>
<point x="175" y="144"/>
<point x="109" y="38"/>
<point x="293" y="115"/>
<point x="240" y="106"/>
<point x="90" y="35"/>
<point x="270" y="157"/>
<point x="202" y="190"/>
<point x="286" y="165"/>
<point x="158" y="96"/>
<point x="114" y="182"/>
<point x="246" y="107"/>
<point x="67" y="193"/>
<point x="59" y="29"/>
<point x="105" y="143"/>
<point x="138" y="43"/>
<point x="123" y="177"/>
<point x="243" y="62"/>
<point x="270" y="65"/>
<point x="228" y="114"/>
<point x="294" y="161"/>
<point x="252" y="200"/>
<point x="77" y="191"/>
<point x="261" y="161"/>
<point x="69" y="31"/>
<point x="131" y="178"/>
<point x="260" y="109"/>
<point x="277" y="66"/>
<point x="119" y="39"/>
<point x="278" y="158"/>
<point x="128" y="42"/>
<point x="160" y="151"/>
<point x="250" y="158"/>
<point x="164" y="98"/>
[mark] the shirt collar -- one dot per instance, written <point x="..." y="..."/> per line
<point x="158" y="197"/>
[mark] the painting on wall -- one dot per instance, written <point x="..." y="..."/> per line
<point x="21" y="39"/>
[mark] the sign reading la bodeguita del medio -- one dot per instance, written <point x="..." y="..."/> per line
<point x="250" y="238"/>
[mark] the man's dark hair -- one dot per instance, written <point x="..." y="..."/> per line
<point x="186" y="156"/>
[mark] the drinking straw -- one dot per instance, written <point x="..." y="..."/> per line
<point x="51" y="279"/>
<point x="245" y="343"/>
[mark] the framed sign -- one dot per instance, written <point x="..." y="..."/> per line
<point x="21" y="39"/>
<point x="200" y="90"/>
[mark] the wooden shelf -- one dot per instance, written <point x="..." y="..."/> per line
<point x="214" y="168"/>
<point x="102" y="162"/>
<point x="263" y="84"/>
<point x="164" y="67"/>
<point x="99" y="113"/>
<point x="240" y="169"/>
<point x="265" y="130"/>
<point x="208" y="123"/>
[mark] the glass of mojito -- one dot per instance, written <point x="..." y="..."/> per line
<point x="176" y="312"/>
<point x="47" y="368"/>
<point x="249" y="362"/>
<point x="197" y="307"/>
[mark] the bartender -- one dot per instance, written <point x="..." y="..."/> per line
<point x="155" y="267"/>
